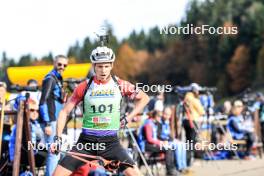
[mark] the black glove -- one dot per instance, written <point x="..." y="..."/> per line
<point x="58" y="143"/>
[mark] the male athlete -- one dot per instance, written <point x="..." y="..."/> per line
<point x="101" y="96"/>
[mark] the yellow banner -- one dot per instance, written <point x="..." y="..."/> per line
<point x="20" y="75"/>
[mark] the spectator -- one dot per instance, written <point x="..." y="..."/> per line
<point x="37" y="136"/>
<point x="237" y="128"/>
<point x="193" y="112"/>
<point x="218" y="134"/>
<point x="148" y="141"/>
<point x="159" y="103"/>
<point x="258" y="109"/>
<point x="51" y="103"/>
<point x="227" y="108"/>
<point x="164" y="135"/>
<point x="34" y="95"/>
<point x="3" y="96"/>
<point x="207" y="101"/>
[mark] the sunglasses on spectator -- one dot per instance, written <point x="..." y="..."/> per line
<point x="60" y="64"/>
<point x="33" y="110"/>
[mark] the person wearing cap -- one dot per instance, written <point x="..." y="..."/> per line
<point x="193" y="113"/>
<point x="193" y="103"/>
<point x="34" y="95"/>
<point x="101" y="96"/>
<point x="235" y="125"/>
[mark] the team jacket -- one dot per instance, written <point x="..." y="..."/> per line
<point x="51" y="101"/>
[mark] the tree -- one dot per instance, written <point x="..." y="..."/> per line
<point x="4" y="59"/>
<point x="48" y="59"/>
<point x="86" y="50"/>
<point x="25" y="60"/>
<point x="137" y="41"/>
<point x="239" y="69"/>
<point x="124" y="64"/>
<point x="260" y="66"/>
<point x="155" y="40"/>
<point x="74" y="51"/>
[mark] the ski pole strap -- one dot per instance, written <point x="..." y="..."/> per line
<point x="110" y="165"/>
<point x="124" y="120"/>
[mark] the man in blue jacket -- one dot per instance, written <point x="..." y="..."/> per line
<point x="164" y="134"/>
<point x="51" y="102"/>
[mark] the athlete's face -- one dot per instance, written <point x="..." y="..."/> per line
<point x="103" y="71"/>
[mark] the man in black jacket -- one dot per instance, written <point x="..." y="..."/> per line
<point x="51" y="103"/>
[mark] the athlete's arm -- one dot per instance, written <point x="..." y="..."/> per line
<point x="140" y="97"/>
<point x="75" y="99"/>
<point x="142" y="100"/>
<point x="63" y="117"/>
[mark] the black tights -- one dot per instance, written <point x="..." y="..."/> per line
<point x="190" y="138"/>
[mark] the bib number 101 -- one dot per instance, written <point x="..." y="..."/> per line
<point x="102" y="108"/>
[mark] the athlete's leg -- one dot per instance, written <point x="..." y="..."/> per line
<point x="61" y="171"/>
<point x="114" y="151"/>
<point x="132" y="171"/>
<point x="69" y="164"/>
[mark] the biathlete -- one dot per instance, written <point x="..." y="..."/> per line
<point x="101" y="96"/>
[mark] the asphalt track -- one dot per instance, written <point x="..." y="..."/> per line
<point x="228" y="168"/>
<point x="220" y="168"/>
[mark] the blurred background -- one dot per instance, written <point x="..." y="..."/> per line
<point x="228" y="67"/>
<point x="33" y="32"/>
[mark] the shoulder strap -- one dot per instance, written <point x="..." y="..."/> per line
<point x="115" y="80"/>
<point x="56" y="80"/>
<point x="86" y="89"/>
<point x="59" y="83"/>
<point x="88" y="84"/>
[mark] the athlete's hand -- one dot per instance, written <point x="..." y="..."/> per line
<point x="165" y="143"/>
<point x="123" y="121"/>
<point x="48" y="130"/>
<point x="55" y="147"/>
